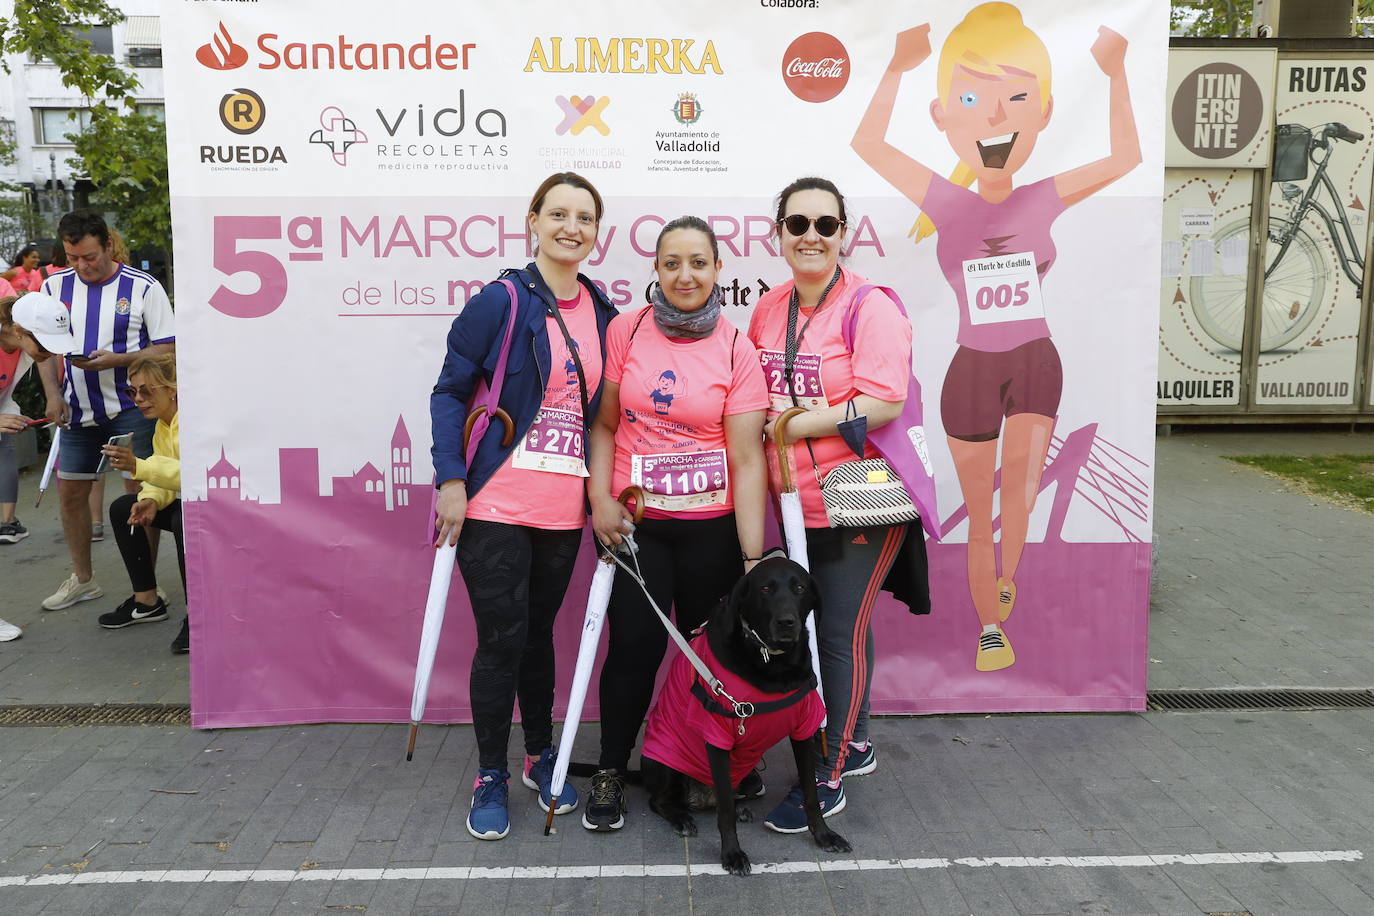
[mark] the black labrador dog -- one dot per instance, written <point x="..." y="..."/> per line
<point x="757" y="633"/>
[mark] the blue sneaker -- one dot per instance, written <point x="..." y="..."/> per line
<point x="860" y="761"/>
<point x="489" y="819"/>
<point x="790" y="815"/>
<point x="538" y="775"/>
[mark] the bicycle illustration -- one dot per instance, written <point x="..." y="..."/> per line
<point x="1296" y="268"/>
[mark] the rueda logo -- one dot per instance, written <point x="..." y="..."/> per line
<point x="581" y="112"/>
<point x="815" y="67"/>
<point x="242" y="111"/>
<point x="338" y="132"/>
<point x="220" y="53"/>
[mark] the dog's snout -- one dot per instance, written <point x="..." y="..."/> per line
<point x="786" y="626"/>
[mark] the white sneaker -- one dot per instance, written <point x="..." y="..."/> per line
<point x="9" y="631"/>
<point x="72" y="591"/>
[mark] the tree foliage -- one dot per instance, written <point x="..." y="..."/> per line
<point x="123" y="152"/>
<point x="1229" y="18"/>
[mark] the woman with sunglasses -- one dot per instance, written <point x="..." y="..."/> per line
<point x="798" y="329"/>
<point x="153" y="389"/>
<point x="516" y="513"/>
<point x="682" y="417"/>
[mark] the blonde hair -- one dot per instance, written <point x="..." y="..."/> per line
<point x="160" y="369"/>
<point x="990" y="39"/>
<point x="119" y="251"/>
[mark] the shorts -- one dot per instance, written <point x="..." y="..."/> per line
<point x="981" y="388"/>
<point x="79" y="447"/>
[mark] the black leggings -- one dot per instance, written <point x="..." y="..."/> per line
<point x="515" y="577"/>
<point x="688" y="565"/>
<point x="133" y="546"/>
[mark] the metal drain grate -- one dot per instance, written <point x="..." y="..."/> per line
<point x="110" y="714"/>
<point x="1289" y="698"/>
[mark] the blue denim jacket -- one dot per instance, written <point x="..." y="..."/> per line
<point x="474" y="347"/>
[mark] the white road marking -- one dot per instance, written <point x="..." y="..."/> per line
<point x="545" y="872"/>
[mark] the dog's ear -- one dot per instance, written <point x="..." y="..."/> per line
<point x="813" y="595"/>
<point x="734" y="602"/>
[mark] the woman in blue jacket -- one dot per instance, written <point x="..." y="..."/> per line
<point x="516" y="514"/>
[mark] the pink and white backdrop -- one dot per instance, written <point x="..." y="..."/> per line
<point x="343" y="180"/>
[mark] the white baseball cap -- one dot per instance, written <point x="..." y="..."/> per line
<point x="48" y="320"/>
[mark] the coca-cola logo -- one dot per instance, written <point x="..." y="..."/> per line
<point x="815" y="67"/>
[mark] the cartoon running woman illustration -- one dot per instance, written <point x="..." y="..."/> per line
<point x="663" y="389"/>
<point x="994" y="248"/>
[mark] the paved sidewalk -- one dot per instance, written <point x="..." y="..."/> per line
<point x="1175" y="813"/>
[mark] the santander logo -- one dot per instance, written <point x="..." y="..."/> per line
<point x="220" y="53"/>
<point x="815" y="67"/>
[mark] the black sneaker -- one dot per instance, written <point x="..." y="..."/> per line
<point x="131" y="612"/>
<point x="182" y="644"/>
<point x="605" y="809"/>
<point x="12" y="532"/>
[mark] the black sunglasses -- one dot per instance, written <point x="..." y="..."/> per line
<point x="826" y="226"/>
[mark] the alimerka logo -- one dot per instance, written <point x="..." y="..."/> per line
<point x="338" y="132"/>
<point x="815" y="67"/>
<point x="622" y="55"/>
<point x="220" y="53"/>
<point x="581" y="112"/>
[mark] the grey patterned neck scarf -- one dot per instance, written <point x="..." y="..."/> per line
<point x="674" y="322"/>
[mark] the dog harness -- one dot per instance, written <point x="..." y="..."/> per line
<point x="688" y="715"/>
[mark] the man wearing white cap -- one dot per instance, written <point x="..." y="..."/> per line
<point x="117" y="314"/>
<point x="32" y="329"/>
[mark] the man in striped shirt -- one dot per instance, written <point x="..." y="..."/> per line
<point x="117" y="314"/>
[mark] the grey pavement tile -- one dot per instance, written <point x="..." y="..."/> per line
<point x="440" y="895"/>
<point x="25" y="901"/>
<point x="390" y="811"/>
<point x="394" y="897"/>
<point x="170" y="899"/>
<point x="252" y="843"/>
<point x="349" y="894"/>
<point x="300" y="897"/>
<point x="340" y="834"/>
<point x="269" y="894"/>
<point x="982" y="890"/>
<point x="309" y="817"/>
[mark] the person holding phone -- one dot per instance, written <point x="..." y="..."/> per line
<point x="117" y="314"/>
<point x="517" y="511"/>
<point x="33" y="329"/>
<point x="153" y="387"/>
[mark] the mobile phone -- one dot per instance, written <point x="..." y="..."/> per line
<point x="126" y="440"/>
<point x="78" y="357"/>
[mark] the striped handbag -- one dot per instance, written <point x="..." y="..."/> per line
<point x="866" y="492"/>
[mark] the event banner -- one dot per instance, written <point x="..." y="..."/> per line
<point x="344" y="182"/>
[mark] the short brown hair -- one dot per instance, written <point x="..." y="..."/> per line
<point x="568" y="178"/>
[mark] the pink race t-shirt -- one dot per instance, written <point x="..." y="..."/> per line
<point x="674" y="397"/>
<point x="680" y="727"/>
<point x="541" y="482"/>
<point x="826" y="373"/>
<point x="27" y="280"/>
<point x="995" y="256"/>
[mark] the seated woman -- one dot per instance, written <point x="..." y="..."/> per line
<point x="153" y="389"/>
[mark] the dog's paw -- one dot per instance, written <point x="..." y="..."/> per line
<point x="744" y="815"/>
<point x="685" y="826"/>
<point x="736" y="862"/>
<point x="831" y="841"/>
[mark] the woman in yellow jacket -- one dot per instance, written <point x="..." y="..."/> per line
<point x="153" y="389"/>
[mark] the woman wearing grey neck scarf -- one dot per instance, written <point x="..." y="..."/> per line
<point x="681" y="416"/>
